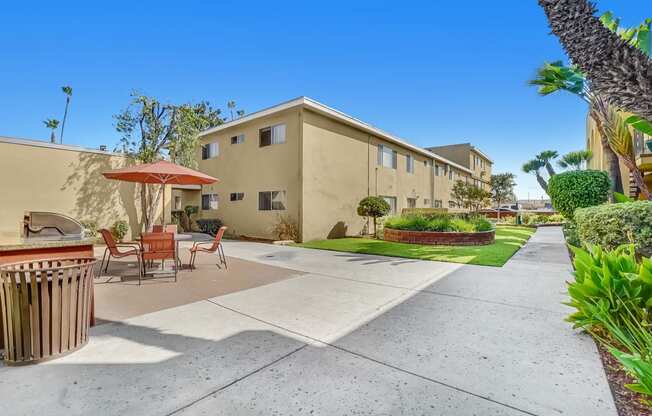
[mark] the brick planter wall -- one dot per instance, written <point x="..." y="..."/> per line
<point x="440" y="238"/>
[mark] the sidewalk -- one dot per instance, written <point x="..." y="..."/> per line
<point x="353" y="334"/>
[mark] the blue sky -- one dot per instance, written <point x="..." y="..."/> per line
<point x="430" y="72"/>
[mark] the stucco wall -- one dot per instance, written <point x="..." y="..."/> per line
<point x="66" y="180"/>
<point x="249" y="168"/>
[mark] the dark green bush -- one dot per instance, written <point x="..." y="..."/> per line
<point x="578" y="189"/>
<point x="612" y="225"/>
<point x="209" y="225"/>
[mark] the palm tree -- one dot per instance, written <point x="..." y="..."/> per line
<point x="231" y="105"/>
<point x="554" y="77"/>
<point x="534" y="166"/>
<point x="546" y="157"/>
<point x="68" y="91"/>
<point x="52" y="124"/>
<point x="576" y="160"/>
<point x="610" y="61"/>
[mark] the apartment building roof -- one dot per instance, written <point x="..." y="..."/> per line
<point x="49" y="145"/>
<point x="332" y="113"/>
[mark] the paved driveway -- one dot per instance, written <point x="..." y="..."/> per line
<point x="351" y="334"/>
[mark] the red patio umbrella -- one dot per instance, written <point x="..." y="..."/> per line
<point x="161" y="172"/>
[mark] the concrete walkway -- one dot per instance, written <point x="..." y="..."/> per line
<point x="351" y="334"/>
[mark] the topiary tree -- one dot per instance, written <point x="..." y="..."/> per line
<point x="578" y="189"/>
<point x="374" y="207"/>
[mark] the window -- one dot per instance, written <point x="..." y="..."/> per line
<point x="426" y="202"/>
<point x="271" y="201"/>
<point x="209" y="201"/>
<point x="437" y="203"/>
<point x="452" y="204"/>
<point x="177" y="203"/>
<point x="450" y="173"/>
<point x="411" y="202"/>
<point x="437" y="170"/>
<point x="272" y="135"/>
<point x="409" y="160"/>
<point x="391" y="200"/>
<point x="386" y="157"/>
<point x="210" y="150"/>
<point x="237" y="196"/>
<point x="237" y="139"/>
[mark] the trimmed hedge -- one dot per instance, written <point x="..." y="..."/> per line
<point x="612" y="225"/>
<point x="578" y="189"/>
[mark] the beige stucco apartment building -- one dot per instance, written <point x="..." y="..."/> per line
<point x="309" y="163"/>
<point x="470" y="157"/>
<point x="40" y="176"/>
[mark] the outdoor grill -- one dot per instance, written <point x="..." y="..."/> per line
<point x="51" y="225"/>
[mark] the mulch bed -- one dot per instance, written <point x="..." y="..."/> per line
<point x="627" y="402"/>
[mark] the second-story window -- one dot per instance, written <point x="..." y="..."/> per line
<point x="210" y="150"/>
<point x="237" y="139"/>
<point x="450" y="173"/>
<point x="409" y="160"/>
<point x="386" y="156"/>
<point x="272" y="135"/>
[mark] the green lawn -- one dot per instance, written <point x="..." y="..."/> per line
<point x="508" y="241"/>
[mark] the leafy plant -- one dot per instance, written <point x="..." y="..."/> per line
<point x="286" y="228"/>
<point x="374" y="207"/>
<point x="639" y="368"/>
<point x="613" y="280"/>
<point x="209" y="225"/>
<point x="120" y="229"/>
<point x="611" y="225"/>
<point x="534" y="167"/>
<point x="578" y="189"/>
<point x="438" y="222"/>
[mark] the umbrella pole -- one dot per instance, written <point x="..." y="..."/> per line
<point x="163" y="213"/>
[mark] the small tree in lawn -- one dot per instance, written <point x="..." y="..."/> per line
<point x="470" y="196"/>
<point x="374" y="207"/>
<point x="502" y="188"/>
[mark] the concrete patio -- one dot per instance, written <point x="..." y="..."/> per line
<point x="335" y="333"/>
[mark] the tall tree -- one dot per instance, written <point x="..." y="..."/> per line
<point x="502" y="188"/>
<point x="68" y="91"/>
<point x="231" y="106"/>
<point x="618" y="70"/>
<point x="554" y="77"/>
<point x="152" y="130"/>
<point x="470" y="196"/>
<point x="52" y="124"/>
<point x="576" y="160"/>
<point x="547" y="156"/>
<point x="534" y="167"/>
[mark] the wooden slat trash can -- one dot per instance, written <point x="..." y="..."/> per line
<point x="46" y="308"/>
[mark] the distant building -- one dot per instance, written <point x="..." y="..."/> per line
<point x="470" y="157"/>
<point x="534" y="204"/>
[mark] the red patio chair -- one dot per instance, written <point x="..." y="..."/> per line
<point x="216" y="246"/>
<point x="159" y="246"/>
<point x="113" y="251"/>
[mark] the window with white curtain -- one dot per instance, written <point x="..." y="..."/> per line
<point x="271" y="201"/>
<point x="272" y="135"/>
<point x="209" y="201"/>
<point x="210" y="150"/>
<point x="387" y="157"/>
<point x="391" y="200"/>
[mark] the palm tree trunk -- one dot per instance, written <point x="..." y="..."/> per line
<point x="638" y="177"/>
<point x="65" y="115"/>
<point x="550" y="170"/>
<point x="542" y="182"/>
<point x="613" y="165"/>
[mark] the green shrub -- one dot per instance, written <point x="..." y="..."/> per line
<point x="438" y="222"/>
<point x="209" y="225"/>
<point x="120" y="229"/>
<point x="612" y="225"/>
<point x="90" y="228"/>
<point x="578" y="189"/>
<point x="570" y="233"/>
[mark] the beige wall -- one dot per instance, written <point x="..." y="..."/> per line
<point x="248" y="168"/>
<point x="65" y="180"/>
